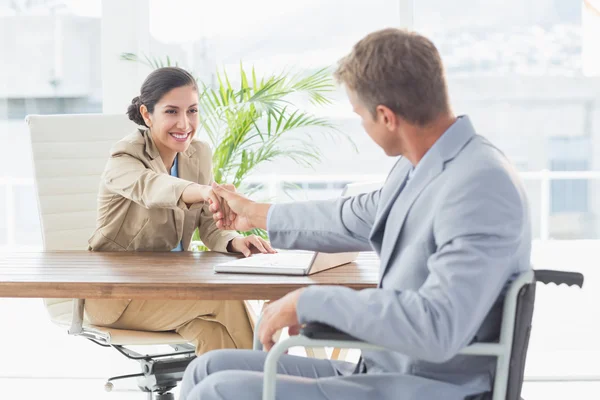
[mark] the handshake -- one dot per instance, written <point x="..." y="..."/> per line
<point x="233" y="211"/>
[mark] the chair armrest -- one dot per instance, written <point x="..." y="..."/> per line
<point x="321" y="335"/>
<point x="319" y="331"/>
<point x="76" y="327"/>
<point x="558" y="277"/>
<point x="323" y="332"/>
<point x="270" y="367"/>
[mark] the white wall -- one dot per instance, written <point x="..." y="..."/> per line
<point x="39" y="49"/>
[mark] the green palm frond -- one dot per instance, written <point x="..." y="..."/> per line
<point x="254" y="122"/>
<point x="316" y="85"/>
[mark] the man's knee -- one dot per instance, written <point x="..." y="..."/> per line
<point x="211" y="362"/>
<point x="203" y="366"/>
<point x="227" y="385"/>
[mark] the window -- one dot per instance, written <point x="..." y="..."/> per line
<point x="526" y="72"/>
<point x="53" y="68"/>
<point x="569" y="154"/>
<point x="569" y="195"/>
<point x="275" y="36"/>
<point x="516" y="69"/>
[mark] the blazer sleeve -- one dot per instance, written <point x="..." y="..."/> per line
<point x="211" y="236"/>
<point x="479" y="229"/>
<point x="330" y="226"/>
<point x="127" y="175"/>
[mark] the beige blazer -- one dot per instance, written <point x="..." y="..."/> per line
<point x="140" y="206"/>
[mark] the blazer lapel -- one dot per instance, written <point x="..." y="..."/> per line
<point x="402" y="204"/>
<point x="401" y="170"/>
<point x="189" y="169"/>
<point x="448" y="146"/>
<point x="153" y="155"/>
<point x="189" y="165"/>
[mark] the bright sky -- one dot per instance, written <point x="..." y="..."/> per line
<point x="85" y="8"/>
<point x="178" y="20"/>
<point x="188" y="20"/>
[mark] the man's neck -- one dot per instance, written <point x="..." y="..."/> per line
<point x="419" y="139"/>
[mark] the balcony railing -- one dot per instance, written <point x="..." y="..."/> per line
<point x="274" y="181"/>
<point x="273" y="185"/>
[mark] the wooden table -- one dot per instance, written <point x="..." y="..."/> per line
<point x="152" y="275"/>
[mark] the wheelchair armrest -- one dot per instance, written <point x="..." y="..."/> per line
<point x="559" y="277"/>
<point x="319" y="331"/>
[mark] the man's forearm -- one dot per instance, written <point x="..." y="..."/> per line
<point x="258" y="215"/>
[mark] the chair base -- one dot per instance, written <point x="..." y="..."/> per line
<point x="160" y="372"/>
<point x="162" y="375"/>
<point x="165" y="396"/>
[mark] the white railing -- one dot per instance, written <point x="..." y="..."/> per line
<point x="545" y="177"/>
<point x="274" y="182"/>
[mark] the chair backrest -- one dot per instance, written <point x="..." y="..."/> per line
<point x="521" y="323"/>
<point x="521" y="334"/>
<point x="69" y="155"/>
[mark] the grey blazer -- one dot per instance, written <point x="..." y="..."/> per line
<point x="450" y="239"/>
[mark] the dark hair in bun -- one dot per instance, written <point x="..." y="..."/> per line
<point x="156" y="85"/>
<point x="133" y="111"/>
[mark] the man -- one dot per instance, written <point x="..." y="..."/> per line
<point x="451" y="227"/>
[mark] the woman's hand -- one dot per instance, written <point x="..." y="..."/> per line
<point x="244" y="214"/>
<point x="251" y="244"/>
<point x="226" y="213"/>
<point x="196" y="193"/>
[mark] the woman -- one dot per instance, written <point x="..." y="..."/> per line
<point x="155" y="191"/>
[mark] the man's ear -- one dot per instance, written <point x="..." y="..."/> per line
<point x="387" y="116"/>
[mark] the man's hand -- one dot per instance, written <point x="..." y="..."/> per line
<point x="231" y="212"/>
<point x="227" y="214"/>
<point x="251" y="244"/>
<point x="244" y="214"/>
<point x="278" y="315"/>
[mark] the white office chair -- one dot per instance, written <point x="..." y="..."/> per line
<point x="510" y="350"/>
<point x="69" y="155"/>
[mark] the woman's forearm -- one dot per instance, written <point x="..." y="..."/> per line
<point x="194" y="193"/>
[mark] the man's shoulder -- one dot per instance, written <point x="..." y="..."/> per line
<point x="480" y="158"/>
<point x="482" y="173"/>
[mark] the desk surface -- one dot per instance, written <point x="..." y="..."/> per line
<point x="152" y="275"/>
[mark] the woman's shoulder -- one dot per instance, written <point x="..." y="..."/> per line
<point x="200" y="145"/>
<point x="132" y="144"/>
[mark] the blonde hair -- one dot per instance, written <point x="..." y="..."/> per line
<point x="398" y="69"/>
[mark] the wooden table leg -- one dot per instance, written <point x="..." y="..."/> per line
<point x="254" y="309"/>
<point x="316" y="352"/>
<point x="339" y="354"/>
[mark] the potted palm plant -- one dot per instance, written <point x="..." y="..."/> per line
<point x="258" y="119"/>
